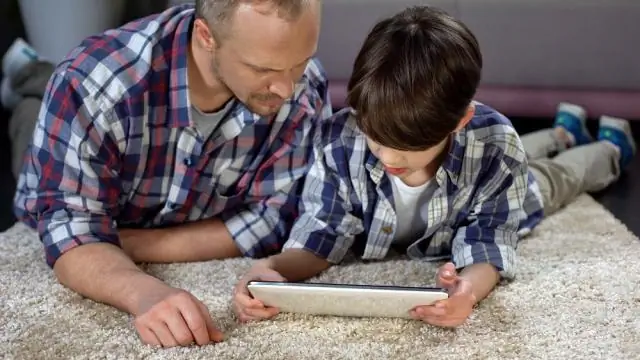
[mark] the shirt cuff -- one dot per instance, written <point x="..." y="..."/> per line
<point x="319" y="246"/>
<point x="246" y="231"/>
<point x="503" y="257"/>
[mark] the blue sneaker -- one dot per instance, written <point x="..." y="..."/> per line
<point x="618" y="132"/>
<point x="573" y="118"/>
<point x="19" y="54"/>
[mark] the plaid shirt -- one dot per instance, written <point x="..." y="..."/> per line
<point x="485" y="201"/>
<point x="115" y="146"/>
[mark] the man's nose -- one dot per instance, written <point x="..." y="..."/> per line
<point x="282" y="86"/>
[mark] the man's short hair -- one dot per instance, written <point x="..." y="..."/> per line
<point x="414" y="78"/>
<point x="217" y="13"/>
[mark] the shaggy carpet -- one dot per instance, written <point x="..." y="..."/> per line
<point x="577" y="296"/>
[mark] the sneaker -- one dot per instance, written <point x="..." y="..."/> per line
<point x="573" y="118"/>
<point x="618" y="132"/>
<point x="19" y="54"/>
<point x="8" y="98"/>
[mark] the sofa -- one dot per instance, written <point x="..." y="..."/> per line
<point x="537" y="53"/>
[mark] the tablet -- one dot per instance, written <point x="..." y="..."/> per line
<point x="344" y="300"/>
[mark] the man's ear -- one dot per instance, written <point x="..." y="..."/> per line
<point x="203" y="35"/>
<point x="471" y="110"/>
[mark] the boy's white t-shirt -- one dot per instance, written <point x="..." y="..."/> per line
<point x="409" y="200"/>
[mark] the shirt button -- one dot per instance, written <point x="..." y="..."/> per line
<point x="387" y="229"/>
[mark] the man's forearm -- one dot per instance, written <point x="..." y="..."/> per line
<point x="297" y="264"/>
<point x="483" y="278"/>
<point x="197" y="241"/>
<point x="104" y="273"/>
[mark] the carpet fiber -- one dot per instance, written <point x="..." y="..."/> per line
<point x="576" y="296"/>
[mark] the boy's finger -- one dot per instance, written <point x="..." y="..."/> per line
<point x="263" y="313"/>
<point x="447" y="270"/>
<point x="446" y="283"/>
<point x="246" y="301"/>
<point x="429" y="310"/>
<point x="272" y="276"/>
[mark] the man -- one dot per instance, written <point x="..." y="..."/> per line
<point x="179" y="137"/>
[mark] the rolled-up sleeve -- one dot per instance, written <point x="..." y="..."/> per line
<point x="326" y="226"/>
<point x="490" y="232"/>
<point x="262" y="227"/>
<point x="69" y="186"/>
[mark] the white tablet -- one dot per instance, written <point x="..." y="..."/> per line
<point x="344" y="300"/>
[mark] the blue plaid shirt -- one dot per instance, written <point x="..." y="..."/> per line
<point x="485" y="201"/>
<point x="115" y="146"/>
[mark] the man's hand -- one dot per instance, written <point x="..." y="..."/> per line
<point x="171" y="317"/>
<point x="453" y="311"/>
<point x="246" y="307"/>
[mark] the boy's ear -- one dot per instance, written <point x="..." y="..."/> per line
<point x="471" y="110"/>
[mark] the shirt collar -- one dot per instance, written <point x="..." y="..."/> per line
<point x="178" y="110"/>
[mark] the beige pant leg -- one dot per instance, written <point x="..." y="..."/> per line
<point x="583" y="169"/>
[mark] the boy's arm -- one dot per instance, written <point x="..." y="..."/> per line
<point x="483" y="277"/>
<point x="261" y="228"/>
<point x="297" y="264"/>
<point x="490" y="234"/>
<point x="326" y="226"/>
<point x="483" y="249"/>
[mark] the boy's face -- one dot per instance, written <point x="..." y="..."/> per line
<point x="406" y="164"/>
<point x="412" y="166"/>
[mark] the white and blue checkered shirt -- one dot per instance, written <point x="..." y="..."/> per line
<point x="485" y="201"/>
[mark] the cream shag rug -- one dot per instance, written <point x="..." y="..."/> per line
<point x="577" y="297"/>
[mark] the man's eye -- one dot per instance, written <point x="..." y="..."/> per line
<point x="262" y="71"/>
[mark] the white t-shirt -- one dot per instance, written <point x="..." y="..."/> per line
<point x="409" y="201"/>
<point x="207" y="123"/>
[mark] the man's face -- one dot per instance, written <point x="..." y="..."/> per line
<point x="262" y="55"/>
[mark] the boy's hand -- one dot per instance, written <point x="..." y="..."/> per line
<point x="246" y="307"/>
<point x="453" y="311"/>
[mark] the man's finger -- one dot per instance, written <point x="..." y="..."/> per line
<point x="214" y="333"/>
<point x="179" y="328"/>
<point x="147" y="336"/>
<point x="163" y="334"/>
<point x="195" y="321"/>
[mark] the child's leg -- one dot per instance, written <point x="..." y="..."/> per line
<point x="586" y="168"/>
<point x="568" y="130"/>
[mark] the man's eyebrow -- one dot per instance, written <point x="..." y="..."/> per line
<point x="258" y="67"/>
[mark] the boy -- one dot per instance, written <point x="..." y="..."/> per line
<point x="417" y="164"/>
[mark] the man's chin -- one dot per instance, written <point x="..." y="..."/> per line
<point x="264" y="109"/>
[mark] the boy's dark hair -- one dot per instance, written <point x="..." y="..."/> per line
<point x="414" y="78"/>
